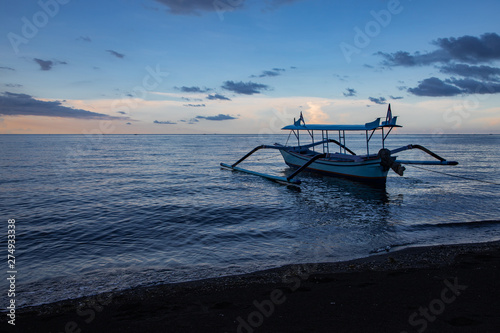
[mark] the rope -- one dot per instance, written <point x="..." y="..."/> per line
<point x="447" y="174"/>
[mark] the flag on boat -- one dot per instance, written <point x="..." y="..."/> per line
<point x="388" y="117"/>
<point x="299" y="121"/>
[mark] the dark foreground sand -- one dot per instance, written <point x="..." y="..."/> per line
<point x="432" y="289"/>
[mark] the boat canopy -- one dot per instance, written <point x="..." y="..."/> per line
<point x="372" y="127"/>
<point x="300" y="125"/>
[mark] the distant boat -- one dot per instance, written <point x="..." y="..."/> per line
<point x="344" y="162"/>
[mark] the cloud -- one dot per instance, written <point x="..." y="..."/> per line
<point x="190" y="121"/>
<point x="350" y="92"/>
<point x="480" y="72"/>
<point x="195" y="7"/>
<point x="129" y="123"/>
<point x="455" y="56"/>
<point x="218" y="97"/>
<point x="468" y="49"/>
<point x="472" y="49"/>
<point x="168" y="122"/>
<point x="12" y="104"/>
<point x="270" y="73"/>
<point x="219" y="117"/>
<point x="191" y="99"/>
<point x="380" y="100"/>
<point x="245" y="88"/>
<point x="471" y="86"/>
<point x="403" y="58"/>
<point x="7" y="68"/>
<point x="84" y="38"/>
<point x="195" y="105"/>
<point x="116" y="54"/>
<point x="13" y="85"/>
<point x="46" y="65"/>
<point x="193" y="89"/>
<point x="341" y="78"/>
<point x="396" y="97"/>
<point x="121" y="112"/>
<point x="434" y="87"/>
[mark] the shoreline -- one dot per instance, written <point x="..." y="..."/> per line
<point x="433" y="288"/>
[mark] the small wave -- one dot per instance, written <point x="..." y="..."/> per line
<point x="470" y="224"/>
<point x="389" y="247"/>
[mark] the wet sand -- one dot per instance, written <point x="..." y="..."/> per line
<point x="451" y="288"/>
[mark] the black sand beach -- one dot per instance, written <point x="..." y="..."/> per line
<point x="429" y="289"/>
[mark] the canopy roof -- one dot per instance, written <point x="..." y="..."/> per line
<point x="325" y="127"/>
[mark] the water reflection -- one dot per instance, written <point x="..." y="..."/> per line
<point x="370" y="192"/>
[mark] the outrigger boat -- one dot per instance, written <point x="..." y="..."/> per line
<point x="344" y="163"/>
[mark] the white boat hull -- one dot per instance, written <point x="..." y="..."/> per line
<point x="366" y="170"/>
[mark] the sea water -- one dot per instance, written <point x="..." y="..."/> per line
<point x="111" y="212"/>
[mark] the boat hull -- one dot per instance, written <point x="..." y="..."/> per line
<point x="366" y="170"/>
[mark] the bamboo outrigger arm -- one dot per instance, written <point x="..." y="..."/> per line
<point x="303" y="167"/>
<point x="286" y="180"/>
<point x="253" y="151"/>
<point x="342" y="146"/>
<point x="291" y="148"/>
<point x="441" y="161"/>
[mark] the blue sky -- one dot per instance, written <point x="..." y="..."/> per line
<point x="239" y="66"/>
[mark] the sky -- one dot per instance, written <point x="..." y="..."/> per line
<point x="240" y="66"/>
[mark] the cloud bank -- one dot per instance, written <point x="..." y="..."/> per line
<point x="218" y="97"/>
<point x="116" y="54"/>
<point x="350" y="92"/>
<point x="379" y="100"/>
<point x="193" y="89"/>
<point x="46" y="65"/>
<point x="193" y="7"/>
<point x="12" y="104"/>
<point x="195" y="105"/>
<point x="219" y="117"/>
<point x="245" y="88"/>
<point x="457" y="57"/>
<point x="197" y="7"/>
<point x="270" y="73"/>
<point x="164" y="122"/>
<point x="468" y="49"/>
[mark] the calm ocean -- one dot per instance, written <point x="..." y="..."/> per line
<point x="101" y="213"/>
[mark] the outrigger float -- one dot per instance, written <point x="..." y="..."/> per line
<point x="343" y="163"/>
